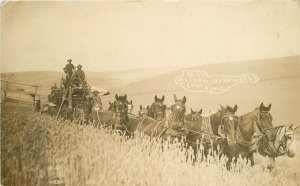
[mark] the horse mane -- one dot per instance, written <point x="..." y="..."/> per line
<point x="250" y="114"/>
<point x="214" y="121"/>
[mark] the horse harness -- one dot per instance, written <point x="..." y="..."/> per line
<point x="253" y="144"/>
<point x="269" y="146"/>
<point x="113" y="121"/>
<point x="207" y="135"/>
<point x="222" y="126"/>
<point x="258" y="126"/>
<point x="157" y="113"/>
<point x="179" y="132"/>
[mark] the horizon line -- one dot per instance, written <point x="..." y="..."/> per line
<point x="183" y="67"/>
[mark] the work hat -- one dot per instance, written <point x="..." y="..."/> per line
<point x="69" y="60"/>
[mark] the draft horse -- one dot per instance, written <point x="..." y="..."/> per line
<point x="112" y="117"/>
<point x="251" y="127"/>
<point x="217" y="129"/>
<point x="173" y="126"/>
<point x="157" y="110"/>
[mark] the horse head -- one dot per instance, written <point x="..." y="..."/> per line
<point x="194" y="115"/>
<point x="143" y="111"/>
<point x="130" y="106"/>
<point x="284" y="139"/>
<point x="229" y="123"/>
<point x="177" y="113"/>
<point x="158" y="109"/>
<point x="264" y="121"/>
<point x="285" y="136"/>
<point x="120" y="108"/>
<point x="121" y="98"/>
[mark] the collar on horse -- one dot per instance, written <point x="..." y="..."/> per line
<point x="258" y="126"/>
<point x="177" y="132"/>
<point x="221" y="129"/>
<point x="156" y="114"/>
<point x="268" y="146"/>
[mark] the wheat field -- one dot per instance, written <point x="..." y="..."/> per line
<point x="39" y="150"/>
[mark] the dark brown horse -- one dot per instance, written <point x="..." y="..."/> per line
<point x="212" y="131"/>
<point x="252" y="124"/>
<point x="112" y="117"/>
<point x="194" y="115"/>
<point x="100" y="118"/>
<point x="170" y="128"/>
<point x="157" y="110"/>
<point x="121" y="114"/>
<point x="129" y="104"/>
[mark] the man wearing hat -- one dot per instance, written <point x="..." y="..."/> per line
<point x="96" y="100"/>
<point x="70" y="67"/>
<point x="67" y="80"/>
<point x="79" y="74"/>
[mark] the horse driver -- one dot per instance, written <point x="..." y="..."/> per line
<point x="96" y="100"/>
<point x="70" y="67"/>
<point x="79" y="75"/>
<point x="67" y="80"/>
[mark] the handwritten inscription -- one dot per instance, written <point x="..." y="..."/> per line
<point x="200" y="81"/>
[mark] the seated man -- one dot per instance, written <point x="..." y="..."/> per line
<point x="78" y="76"/>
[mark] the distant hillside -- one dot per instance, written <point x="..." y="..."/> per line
<point x="279" y="84"/>
<point x="119" y="78"/>
<point x="267" y="70"/>
<point x="106" y="80"/>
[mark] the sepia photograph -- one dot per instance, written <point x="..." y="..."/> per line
<point x="150" y="93"/>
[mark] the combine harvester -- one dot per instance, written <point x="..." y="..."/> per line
<point x="72" y="100"/>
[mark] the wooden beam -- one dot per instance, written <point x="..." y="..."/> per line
<point x="19" y="83"/>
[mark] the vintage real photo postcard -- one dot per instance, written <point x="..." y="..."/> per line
<point x="150" y="93"/>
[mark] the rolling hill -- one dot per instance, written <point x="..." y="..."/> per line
<point x="279" y="84"/>
<point x="106" y="80"/>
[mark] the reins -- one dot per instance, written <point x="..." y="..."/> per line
<point x="272" y="150"/>
<point x="258" y="126"/>
<point x="103" y="123"/>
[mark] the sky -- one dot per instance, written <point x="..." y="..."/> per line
<point x="113" y="36"/>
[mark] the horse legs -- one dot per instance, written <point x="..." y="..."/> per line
<point x="228" y="163"/>
<point x="272" y="163"/>
<point x="251" y="158"/>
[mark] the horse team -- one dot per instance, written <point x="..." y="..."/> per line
<point x="234" y="135"/>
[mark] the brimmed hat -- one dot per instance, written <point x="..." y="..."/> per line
<point x="79" y="66"/>
<point x="69" y="60"/>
